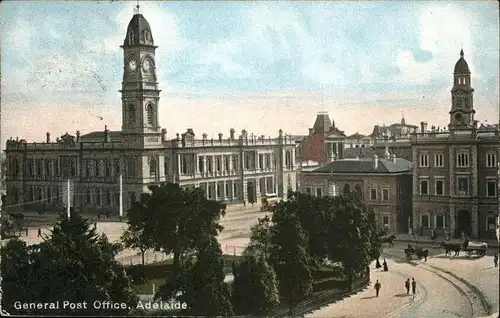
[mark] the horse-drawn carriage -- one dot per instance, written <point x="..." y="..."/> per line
<point x="268" y="201"/>
<point x="419" y="252"/>
<point x="470" y="248"/>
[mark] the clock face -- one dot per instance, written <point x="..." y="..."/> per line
<point x="458" y="117"/>
<point x="146" y="65"/>
<point x="132" y="65"/>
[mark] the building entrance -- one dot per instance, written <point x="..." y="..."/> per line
<point x="251" y="192"/>
<point x="464" y="223"/>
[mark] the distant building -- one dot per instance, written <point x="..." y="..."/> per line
<point x="324" y="143"/>
<point x="455" y="177"/>
<point x="384" y="184"/>
<point x="232" y="169"/>
<point x="3" y="171"/>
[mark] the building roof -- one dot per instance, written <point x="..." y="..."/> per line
<point x="356" y="136"/>
<point x="365" y="166"/>
<point x="99" y="136"/>
<point x="461" y="66"/>
<point x="138" y="31"/>
<point x="360" y="152"/>
<point x="322" y="123"/>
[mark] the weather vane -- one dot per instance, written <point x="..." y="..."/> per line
<point x="137" y="7"/>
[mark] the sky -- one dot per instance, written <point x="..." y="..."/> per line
<point x="260" y="66"/>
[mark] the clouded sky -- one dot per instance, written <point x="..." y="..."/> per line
<point x="259" y="66"/>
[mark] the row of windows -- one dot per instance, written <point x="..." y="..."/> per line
<point x="462" y="187"/>
<point x="462" y="160"/>
<point x="440" y="222"/>
<point x="374" y="193"/>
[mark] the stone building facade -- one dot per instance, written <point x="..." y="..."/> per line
<point x="384" y="184"/>
<point x="232" y="169"/>
<point x="455" y="174"/>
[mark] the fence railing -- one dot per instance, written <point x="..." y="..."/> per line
<point x="135" y="258"/>
<point x="324" y="299"/>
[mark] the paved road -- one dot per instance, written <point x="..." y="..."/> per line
<point x="237" y="223"/>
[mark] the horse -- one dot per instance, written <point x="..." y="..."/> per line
<point x="389" y="240"/>
<point x="451" y="247"/>
<point x="419" y="252"/>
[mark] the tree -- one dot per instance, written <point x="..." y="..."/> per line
<point x="289" y="255"/>
<point x="176" y="219"/>
<point x="137" y="240"/>
<point x="74" y="264"/>
<point x="254" y="289"/>
<point x="205" y="291"/>
<point x="260" y="238"/>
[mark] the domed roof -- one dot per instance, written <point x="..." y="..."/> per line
<point x="461" y="66"/>
<point x="138" y="31"/>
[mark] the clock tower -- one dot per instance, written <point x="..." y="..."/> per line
<point x="140" y="93"/>
<point x="462" y="107"/>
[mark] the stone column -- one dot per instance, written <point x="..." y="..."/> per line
<point x="257" y="163"/>
<point x="206" y="188"/>
<point x="231" y="164"/>
<point x="204" y="164"/>
<point x="214" y="168"/>
<point x="257" y="189"/>
<point x="196" y="166"/>
<point x="224" y="190"/>
<point x="231" y="192"/>
<point x="265" y="184"/>
<point x="179" y="163"/>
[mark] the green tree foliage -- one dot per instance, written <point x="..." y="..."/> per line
<point x="175" y="219"/>
<point x="254" y="289"/>
<point x="260" y="238"/>
<point x="289" y="255"/>
<point x="137" y="239"/>
<point x="205" y="291"/>
<point x="74" y="264"/>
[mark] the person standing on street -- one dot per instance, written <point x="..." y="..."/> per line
<point x="413" y="286"/>
<point x="495" y="259"/>
<point x="39" y="232"/>
<point x="377" y="287"/>
<point x="407" y="285"/>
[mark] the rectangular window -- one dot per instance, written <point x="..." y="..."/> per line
<point x="440" y="221"/>
<point x="97" y="168"/>
<point x="209" y="164"/>
<point x="373" y="194"/>
<point x="491" y="161"/>
<point x="424" y="160"/>
<point x="117" y="166"/>
<point x="227" y="191"/>
<point x="424" y="187"/>
<point x="462" y="160"/>
<point x="235" y="190"/>
<point x="107" y="168"/>
<point x="462" y="186"/>
<point x="439" y="187"/>
<point x="490" y="223"/>
<point x="98" y="196"/>
<point x="87" y="168"/>
<point x="385" y="194"/>
<point x="226" y="163"/>
<point x="438" y="160"/>
<point x="87" y="197"/>
<point x="108" y="197"/>
<point x="218" y="164"/>
<point x="386" y="221"/>
<point x="424" y="220"/>
<point x="491" y="188"/>
<point x="319" y="192"/>
<point x="261" y="161"/>
<point x="235" y="163"/>
<point x="309" y="190"/>
<point x="268" y="161"/>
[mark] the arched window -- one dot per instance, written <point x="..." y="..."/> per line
<point x="288" y="160"/>
<point x="131" y="37"/>
<point x="347" y="189"/>
<point x="15" y="168"/>
<point x="153" y="167"/>
<point x="132" y="113"/>
<point x="210" y="191"/>
<point x="149" y="110"/>
<point x="358" y="190"/>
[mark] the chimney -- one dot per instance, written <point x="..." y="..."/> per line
<point x="393" y="158"/>
<point x="375" y="162"/>
<point x="476" y="124"/>
<point x="220" y="137"/>
<point x="423" y="126"/>
<point x="205" y="136"/>
<point x="48" y="137"/>
<point x="231" y="133"/>
<point x="163" y="135"/>
<point x="280" y="133"/>
<point x="106" y="134"/>
<point x="77" y="136"/>
<point x="244" y="134"/>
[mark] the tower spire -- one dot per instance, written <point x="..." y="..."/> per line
<point x="462" y="53"/>
<point x="137" y="7"/>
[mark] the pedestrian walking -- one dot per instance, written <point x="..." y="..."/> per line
<point x="26" y="231"/>
<point x="413" y="286"/>
<point x="39" y="232"/>
<point x="407" y="286"/>
<point x="377" y="287"/>
<point x="377" y="264"/>
<point x="495" y="259"/>
<point x="386" y="269"/>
